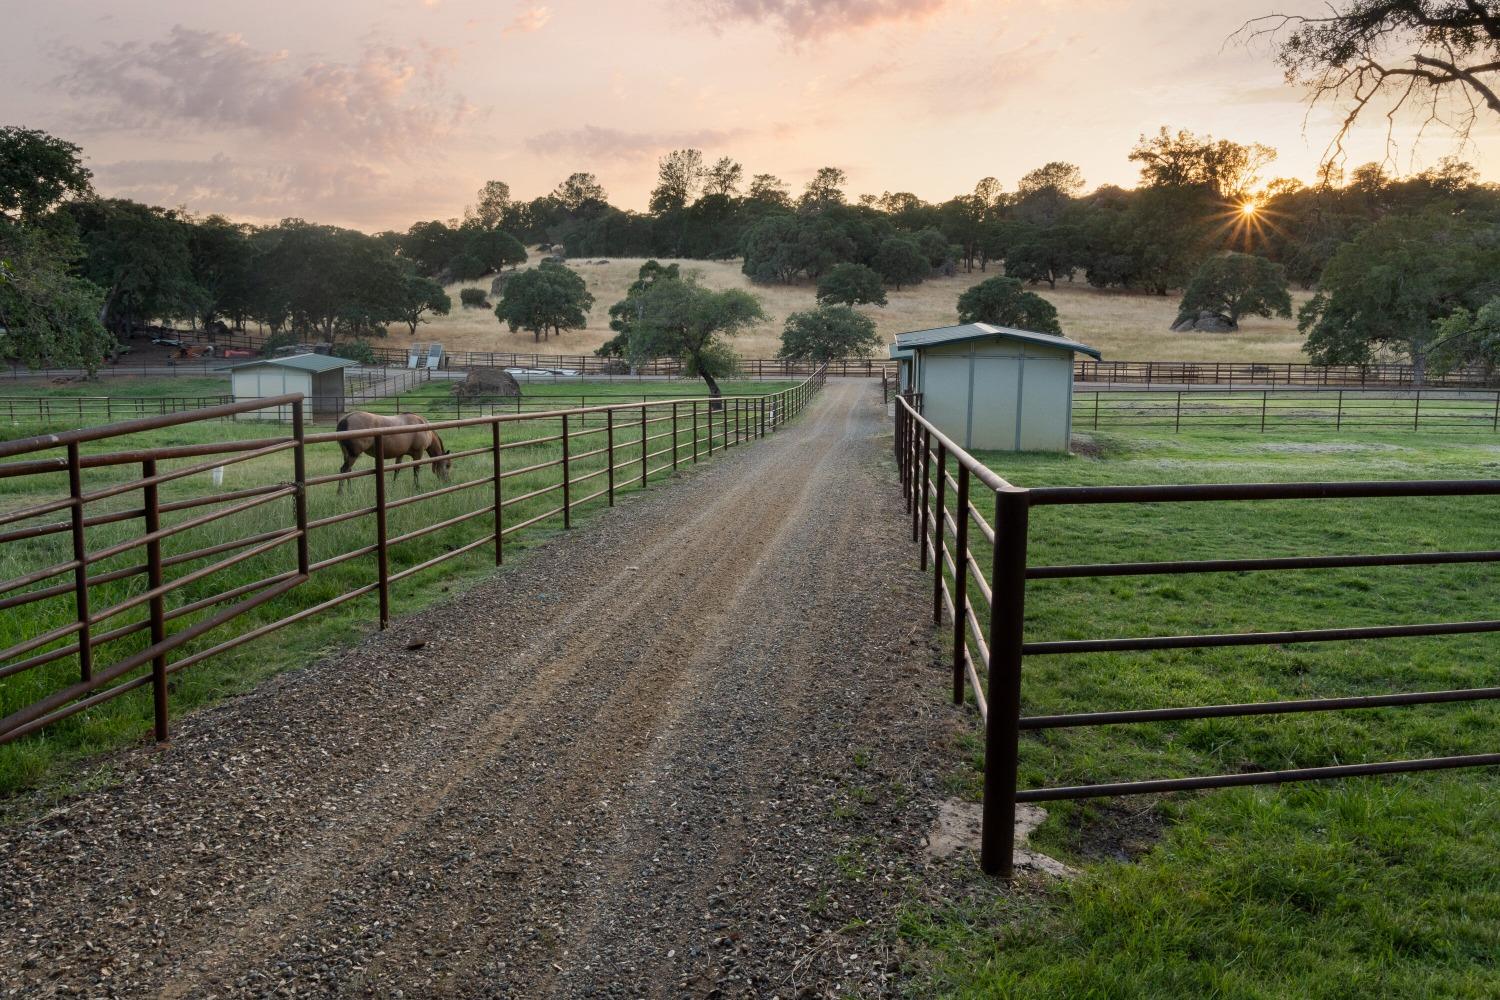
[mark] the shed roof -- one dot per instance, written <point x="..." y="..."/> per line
<point x="984" y="331"/>
<point x="316" y="363"/>
<point x="900" y="353"/>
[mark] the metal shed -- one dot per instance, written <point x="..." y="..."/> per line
<point x="994" y="387"/>
<point x="319" y="377"/>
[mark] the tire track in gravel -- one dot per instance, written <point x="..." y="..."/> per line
<point x="608" y="773"/>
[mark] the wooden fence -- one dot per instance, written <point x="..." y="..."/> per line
<point x="980" y="583"/>
<point x="94" y="621"/>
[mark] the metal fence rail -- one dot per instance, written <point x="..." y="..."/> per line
<point x="81" y="409"/>
<point x="1270" y="373"/>
<point x="987" y="612"/>
<point x="532" y="468"/>
<point x="1285" y="409"/>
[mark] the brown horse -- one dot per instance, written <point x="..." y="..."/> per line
<point x="396" y="445"/>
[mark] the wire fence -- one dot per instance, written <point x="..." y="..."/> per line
<point x="120" y="567"/>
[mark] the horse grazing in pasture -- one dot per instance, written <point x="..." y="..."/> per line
<point x="410" y="444"/>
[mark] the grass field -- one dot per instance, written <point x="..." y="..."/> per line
<point x="1125" y="326"/>
<point x="32" y="760"/>
<point x="1367" y="887"/>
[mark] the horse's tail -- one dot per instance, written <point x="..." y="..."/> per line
<point x="346" y="445"/>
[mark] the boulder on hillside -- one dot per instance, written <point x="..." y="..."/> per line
<point x="487" y="383"/>
<point x="1206" y="321"/>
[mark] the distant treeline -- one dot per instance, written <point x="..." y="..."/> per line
<point x="1197" y="198"/>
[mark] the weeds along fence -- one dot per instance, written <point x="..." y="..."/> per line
<point x="1287" y="409"/>
<point x="971" y="529"/>
<point x="133" y="551"/>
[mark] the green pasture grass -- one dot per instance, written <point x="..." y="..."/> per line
<point x="1365" y="887"/>
<point x="1280" y="411"/>
<point x="40" y="758"/>
<point x="125" y="385"/>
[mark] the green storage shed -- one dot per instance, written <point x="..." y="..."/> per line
<point x="995" y="388"/>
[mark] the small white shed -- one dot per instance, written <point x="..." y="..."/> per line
<point x="319" y="377"/>
<point x="993" y="387"/>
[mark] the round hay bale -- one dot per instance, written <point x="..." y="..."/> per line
<point x="487" y="383"/>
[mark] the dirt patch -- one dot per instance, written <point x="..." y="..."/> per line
<point x="958" y="825"/>
<point x="1114" y="829"/>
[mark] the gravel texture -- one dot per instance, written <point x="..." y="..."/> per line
<point x="692" y="749"/>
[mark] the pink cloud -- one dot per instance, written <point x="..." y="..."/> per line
<point x="387" y="102"/>
<point x="814" y="18"/>
<point x="596" y="142"/>
<point x="528" y="20"/>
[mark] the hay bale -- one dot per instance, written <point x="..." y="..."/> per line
<point x="487" y="383"/>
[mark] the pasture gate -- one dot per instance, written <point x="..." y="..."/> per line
<point x="563" y="461"/>
<point x="986" y="607"/>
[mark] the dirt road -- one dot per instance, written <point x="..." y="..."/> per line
<point x="685" y="750"/>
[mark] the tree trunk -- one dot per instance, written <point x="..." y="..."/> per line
<point x="714" y="393"/>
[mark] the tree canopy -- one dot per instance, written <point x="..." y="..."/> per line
<point x="545" y="300"/>
<point x="851" y="285"/>
<point x="1384" y="291"/>
<point x="828" y="333"/>
<point x="670" y="315"/>
<point x="1003" y="302"/>
<point x="1236" y="284"/>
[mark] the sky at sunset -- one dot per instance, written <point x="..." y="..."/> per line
<point x="375" y="113"/>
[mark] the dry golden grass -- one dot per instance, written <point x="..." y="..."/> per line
<point x="1124" y="326"/>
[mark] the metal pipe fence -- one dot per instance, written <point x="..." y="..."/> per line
<point x="1269" y="410"/>
<point x="81" y="409"/>
<point x="1272" y="373"/>
<point x="981" y="585"/>
<point x="93" y="621"/>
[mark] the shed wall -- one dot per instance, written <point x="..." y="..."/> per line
<point x="257" y="383"/>
<point x="998" y="395"/>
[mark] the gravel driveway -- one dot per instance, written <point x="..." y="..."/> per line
<point x="691" y="749"/>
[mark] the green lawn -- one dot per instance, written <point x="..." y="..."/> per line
<point x="1366" y="887"/>
<point x="36" y="759"/>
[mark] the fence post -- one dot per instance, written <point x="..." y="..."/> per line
<point x="1003" y="728"/>
<point x="1264" y="394"/>
<point x="927" y="459"/>
<point x="760" y="418"/>
<point x="644" y="446"/>
<point x="80" y="569"/>
<point x="609" y="453"/>
<point x="960" y="578"/>
<point x="1495" y="424"/>
<point x="299" y="473"/>
<point x="152" y="507"/>
<point x="566" y="485"/>
<point x="1416" y="413"/>
<point x="382" y="563"/>
<point x="695" y="429"/>
<point x="1338" y="417"/>
<point x="1177" y="428"/>
<point x="674" y="436"/>
<point x="499" y="502"/>
<point x="940" y="487"/>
